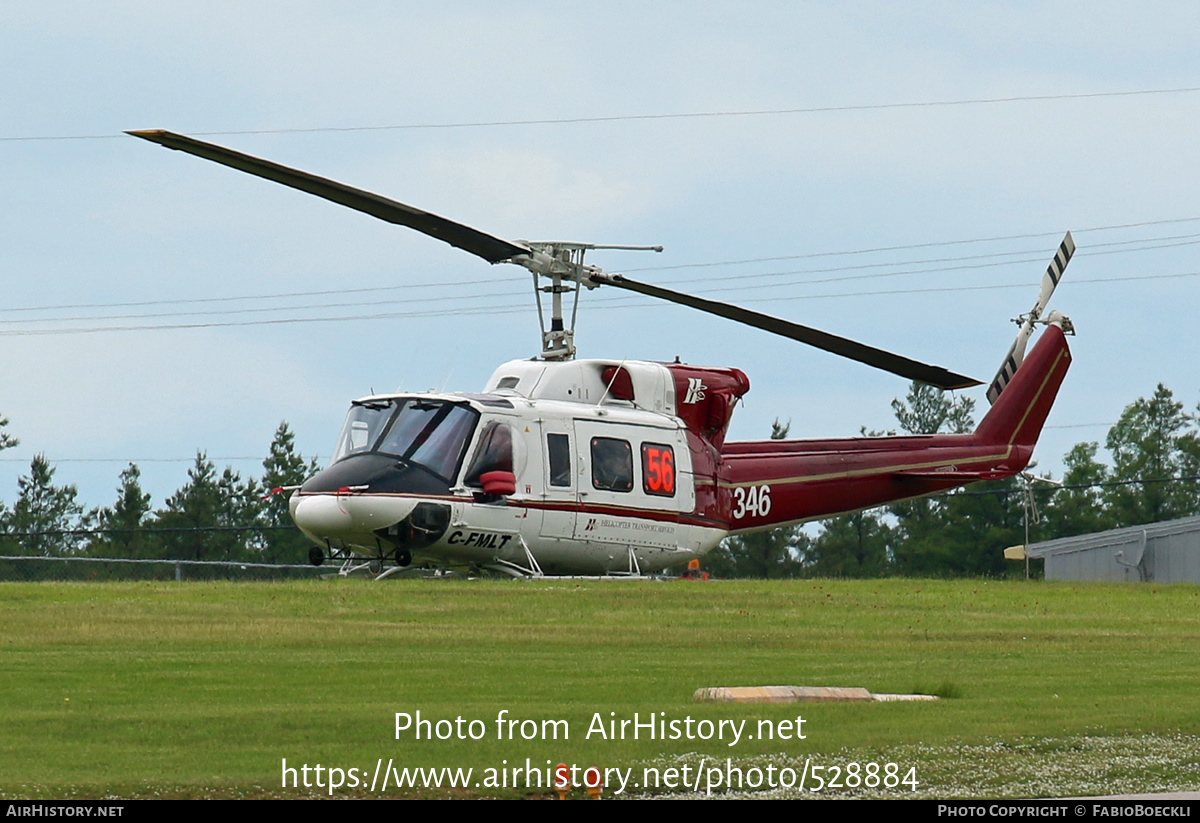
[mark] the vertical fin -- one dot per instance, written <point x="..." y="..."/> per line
<point x="1018" y="415"/>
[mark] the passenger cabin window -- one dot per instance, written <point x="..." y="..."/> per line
<point x="493" y="454"/>
<point x="612" y="464"/>
<point x="558" y="451"/>
<point x="658" y="469"/>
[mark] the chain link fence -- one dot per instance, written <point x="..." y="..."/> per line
<point x="28" y="568"/>
<point x="212" y="553"/>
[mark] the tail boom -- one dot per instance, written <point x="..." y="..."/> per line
<point x="764" y="484"/>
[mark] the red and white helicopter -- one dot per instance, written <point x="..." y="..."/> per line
<point x="601" y="467"/>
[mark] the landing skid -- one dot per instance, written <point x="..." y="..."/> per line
<point x="391" y="571"/>
<point x="354" y="564"/>
<point x="531" y="571"/>
<point x="376" y="570"/>
<point x="635" y="568"/>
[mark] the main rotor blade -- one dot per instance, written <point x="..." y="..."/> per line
<point x="491" y="249"/>
<point x="887" y="361"/>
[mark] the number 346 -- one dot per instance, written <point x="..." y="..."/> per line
<point x="751" y="500"/>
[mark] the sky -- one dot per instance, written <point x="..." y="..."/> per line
<point x="840" y="177"/>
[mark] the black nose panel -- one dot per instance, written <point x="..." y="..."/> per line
<point x="376" y="473"/>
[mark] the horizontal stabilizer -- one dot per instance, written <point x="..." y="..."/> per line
<point x="955" y="477"/>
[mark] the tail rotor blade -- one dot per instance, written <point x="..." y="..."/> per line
<point x="1016" y="353"/>
<point x="1012" y="361"/>
<point x="1053" y="274"/>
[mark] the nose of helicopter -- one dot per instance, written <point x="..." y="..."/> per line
<point x="320" y="514"/>
<point x="327" y="516"/>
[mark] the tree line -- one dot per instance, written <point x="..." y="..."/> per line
<point x="1154" y="475"/>
<point x="213" y="516"/>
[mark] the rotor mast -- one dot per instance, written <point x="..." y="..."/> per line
<point x="561" y="262"/>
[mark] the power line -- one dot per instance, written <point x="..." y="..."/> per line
<point x="1121" y="247"/>
<point x="1040" y="258"/>
<point x="932" y="244"/>
<point x="975" y="101"/>
<point x="596" y="305"/>
<point x="1137" y="481"/>
<point x="259" y="309"/>
<point x="136" y="460"/>
<point x="188" y="300"/>
<point x="932" y="290"/>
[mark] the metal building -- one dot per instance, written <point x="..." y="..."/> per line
<point x="1167" y="552"/>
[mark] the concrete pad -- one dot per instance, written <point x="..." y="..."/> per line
<point x="779" y="694"/>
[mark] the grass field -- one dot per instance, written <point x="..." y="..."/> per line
<point x="202" y="689"/>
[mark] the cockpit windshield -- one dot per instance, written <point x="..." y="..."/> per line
<point x="429" y="433"/>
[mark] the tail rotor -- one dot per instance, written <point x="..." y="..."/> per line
<point x="1016" y="354"/>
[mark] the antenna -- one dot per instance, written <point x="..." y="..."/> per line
<point x="1030" y="505"/>
<point x="608" y="387"/>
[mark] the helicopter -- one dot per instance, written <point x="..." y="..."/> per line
<point x="566" y="466"/>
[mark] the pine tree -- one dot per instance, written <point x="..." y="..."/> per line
<point x="211" y="517"/>
<point x="1078" y="507"/>
<point x="920" y="547"/>
<point x="767" y="554"/>
<point x="193" y="507"/>
<point x="7" y="441"/>
<point x="1153" y="442"/>
<point x="241" y="505"/>
<point x="45" y="515"/>
<point x="853" y="545"/>
<point x="974" y="526"/>
<point x="125" y="522"/>
<point x="283" y="468"/>
<point x="928" y="410"/>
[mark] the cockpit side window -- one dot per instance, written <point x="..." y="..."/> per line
<point x="363" y="425"/>
<point x="358" y="435"/>
<point x="493" y="454"/>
